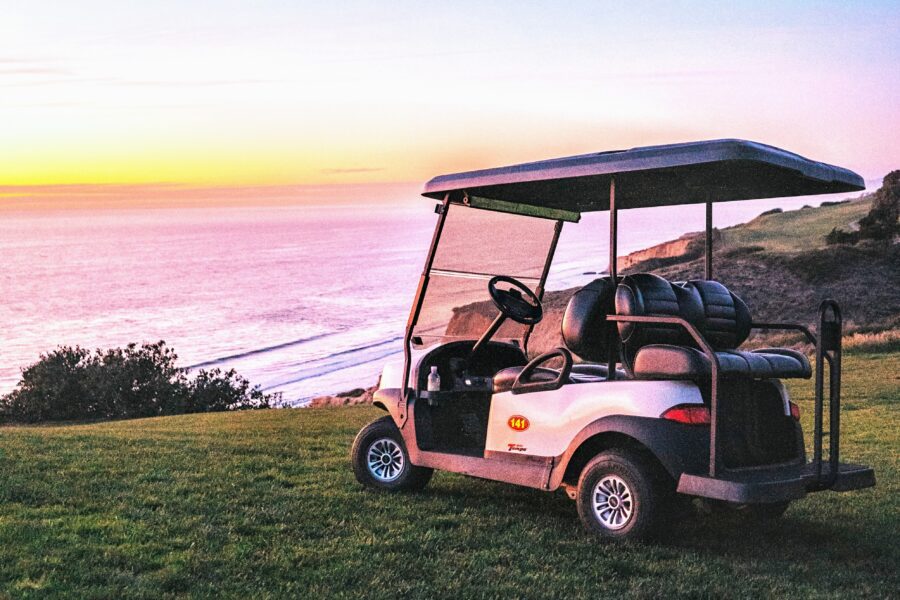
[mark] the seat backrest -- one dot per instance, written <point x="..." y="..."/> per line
<point x="645" y="294"/>
<point x="726" y="318"/>
<point x="585" y="329"/>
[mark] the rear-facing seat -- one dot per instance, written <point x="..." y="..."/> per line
<point x="656" y="351"/>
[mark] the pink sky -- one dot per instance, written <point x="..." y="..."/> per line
<point x="248" y="100"/>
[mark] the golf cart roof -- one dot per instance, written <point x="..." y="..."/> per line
<point x="690" y="173"/>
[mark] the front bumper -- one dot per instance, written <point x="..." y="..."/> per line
<point x="774" y="484"/>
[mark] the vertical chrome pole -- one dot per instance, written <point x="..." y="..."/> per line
<point x="613" y="231"/>
<point x="709" y="240"/>
<point x="613" y="341"/>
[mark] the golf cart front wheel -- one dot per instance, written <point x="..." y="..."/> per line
<point x="380" y="460"/>
<point x="622" y="496"/>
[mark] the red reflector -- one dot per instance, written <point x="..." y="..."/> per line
<point x="689" y="414"/>
<point x="795" y="411"/>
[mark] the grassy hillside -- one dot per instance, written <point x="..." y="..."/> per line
<point x="263" y="504"/>
<point x="796" y="230"/>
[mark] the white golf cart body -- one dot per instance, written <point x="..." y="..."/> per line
<point x="491" y="420"/>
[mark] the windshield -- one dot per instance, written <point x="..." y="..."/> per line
<point x="476" y="245"/>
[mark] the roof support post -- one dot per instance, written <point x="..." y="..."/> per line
<point x="613" y="342"/>
<point x="709" y="240"/>
<point x="613" y="230"/>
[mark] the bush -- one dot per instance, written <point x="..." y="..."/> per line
<point x="839" y="236"/>
<point x="883" y="221"/>
<point x="122" y="383"/>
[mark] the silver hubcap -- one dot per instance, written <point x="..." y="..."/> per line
<point x="385" y="460"/>
<point x="613" y="503"/>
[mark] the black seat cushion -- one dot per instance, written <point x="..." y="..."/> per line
<point x="665" y="352"/>
<point x="645" y="294"/>
<point x="666" y="361"/>
<point x="726" y="319"/>
<point x="585" y="330"/>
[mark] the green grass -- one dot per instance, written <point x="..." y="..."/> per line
<point x="796" y="230"/>
<point x="263" y="504"/>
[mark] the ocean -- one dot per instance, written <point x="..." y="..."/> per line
<point x="303" y="300"/>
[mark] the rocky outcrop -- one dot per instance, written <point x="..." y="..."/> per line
<point x="355" y="396"/>
<point x="688" y="246"/>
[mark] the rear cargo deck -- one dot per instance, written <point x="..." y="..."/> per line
<point x="775" y="484"/>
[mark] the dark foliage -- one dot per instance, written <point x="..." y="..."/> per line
<point x="839" y="236"/>
<point x="136" y="381"/>
<point x="881" y="224"/>
<point x="773" y="211"/>
<point x="882" y="221"/>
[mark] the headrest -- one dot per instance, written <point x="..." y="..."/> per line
<point x="727" y="319"/>
<point x="585" y="330"/>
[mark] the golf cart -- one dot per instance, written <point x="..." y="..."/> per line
<point x="661" y="404"/>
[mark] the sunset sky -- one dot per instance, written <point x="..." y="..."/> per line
<point x="265" y="93"/>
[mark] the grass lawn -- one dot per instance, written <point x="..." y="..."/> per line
<point x="263" y="504"/>
<point x="796" y="230"/>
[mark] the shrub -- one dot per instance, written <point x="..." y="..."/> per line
<point x="839" y="236"/>
<point x="121" y="383"/>
<point x="771" y="211"/>
<point x="883" y="221"/>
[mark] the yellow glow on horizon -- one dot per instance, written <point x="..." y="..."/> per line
<point x="309" y="93"/>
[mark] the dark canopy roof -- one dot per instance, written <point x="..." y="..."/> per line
<point x="695" y="172"/>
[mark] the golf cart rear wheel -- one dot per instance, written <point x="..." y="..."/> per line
<point x="380" y="460"/>
<point x="622" y="495"/>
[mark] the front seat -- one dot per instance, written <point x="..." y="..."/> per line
<point x="585" y="333"/>
<point x="655" y="351"/>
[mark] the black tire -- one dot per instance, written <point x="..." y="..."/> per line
<point x="646" y="492"/>
<point x="382" y="437"/>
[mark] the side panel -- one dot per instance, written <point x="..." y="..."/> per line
<point x="389" y="398"/>
<point x="679" y="448"/>
<point x="556" y="417"/>
<point x="530" y="471"/>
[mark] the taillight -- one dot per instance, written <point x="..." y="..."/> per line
<point x="795" y="411"/>
<point x="689" y="414"/>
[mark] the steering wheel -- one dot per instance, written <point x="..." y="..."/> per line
<point x="518" y="303"/>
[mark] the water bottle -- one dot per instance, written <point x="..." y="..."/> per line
<point x="434" y="380"/>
